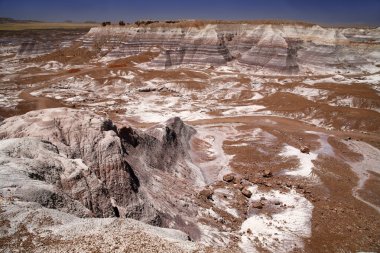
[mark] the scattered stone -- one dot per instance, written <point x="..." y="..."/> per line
<point x="257" y="205"/>
<point x="267" y="173"/>
<point x="146" y="89"/>
<point x="277" y="203"/>
<point x="228" y="177"/>
<point x="222" y="220"/>
<point x="246" y="192"/>
<point x="305" y="149"/>
<point x="235" y="239"/>
<point x="249" y="231"/>
<point x="263" y="198"/>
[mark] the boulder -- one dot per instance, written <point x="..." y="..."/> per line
<point x="229" y="177"/>
<point x="267" y="173"/>
<point x="246" y="192"/>
<point x="305" y="149"/>
<point x="257" y="205"/>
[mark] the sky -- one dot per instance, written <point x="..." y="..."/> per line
<point x="316" y="11"/>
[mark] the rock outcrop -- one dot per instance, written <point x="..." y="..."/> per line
<point x="82" y="164"/>
<point x="280" y="48"/>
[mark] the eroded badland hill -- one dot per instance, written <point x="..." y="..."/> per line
<point x="190" y="137"/>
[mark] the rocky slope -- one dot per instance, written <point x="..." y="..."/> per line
<point x="269" y="48"/>
<point x="79" y="163"/>
<point x="27" y="43"/>
<point x="96" y="169"/>
<point x="29" y="227"/>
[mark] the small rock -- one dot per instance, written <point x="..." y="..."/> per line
<point x="207" y="193"/>
<point x="267" y="173"/>
<point x="277" y="203"/>
<point x="228" y="177"/>
<point x="222" y="220"/>
<point x="263" y="198"/>
<point x="249" y="231"/>
<point x="246" y="192"/>
<point x="305" y="149"/>
<point x="235" y="239"/>
<point x="257" y="205"/>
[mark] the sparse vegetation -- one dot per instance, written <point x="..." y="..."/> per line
<point x="105" y="23"/>
<point x="202" y="23"/>
<point x="146" y="22"/>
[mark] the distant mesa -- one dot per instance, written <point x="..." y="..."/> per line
<point x="264" y="46"/>
<point x="11" y="20"/>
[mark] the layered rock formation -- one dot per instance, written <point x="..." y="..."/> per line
<point x="31" y="43"/>
<point x="278" y="48"/>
